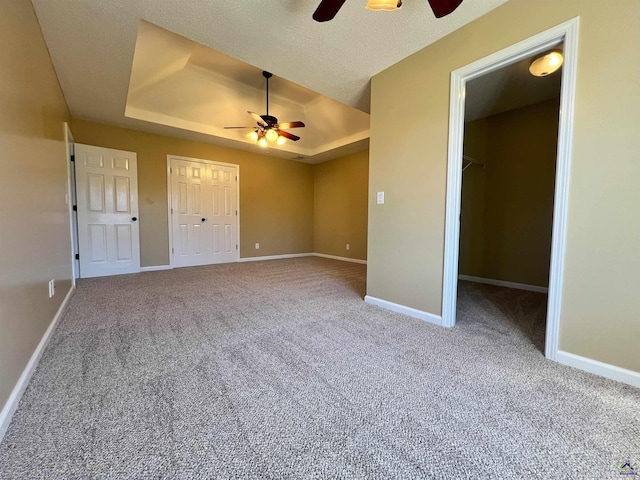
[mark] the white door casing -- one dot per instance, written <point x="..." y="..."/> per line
<point x="108" y="225"/>
<point x="567" y="33"/>
<point x="203" y="212"/>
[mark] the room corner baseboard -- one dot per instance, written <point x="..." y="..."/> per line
<point x="344" y="259"/>
<point x="14" y="399"/>
<point x="274" y="257"/>
<point x="503" y="283"/>
<point x="412" y="312"/>
<point x="599" y="368"/>
<point x="155" y="268"/>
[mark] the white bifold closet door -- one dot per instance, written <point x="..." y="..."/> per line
<point x="108" y="224"/>
<point x="204" y="212"/>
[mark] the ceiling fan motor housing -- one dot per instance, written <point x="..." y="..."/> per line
<point x="270" y="119"/>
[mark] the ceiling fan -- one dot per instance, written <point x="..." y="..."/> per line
<point x="267" y="128"/>
<point x="329" y="8"/>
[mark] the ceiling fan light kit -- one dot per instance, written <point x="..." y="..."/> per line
<point x="329" y="8"/>
<point x="267" y="128"/>
<point x="385" y="5"/>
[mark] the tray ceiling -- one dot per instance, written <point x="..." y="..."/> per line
<point x="93" y="42"/>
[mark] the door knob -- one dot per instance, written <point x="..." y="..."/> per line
<point x="134" y="219"/>
<point x="204" y="219"/>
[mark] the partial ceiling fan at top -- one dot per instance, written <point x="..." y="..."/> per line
<point x="329" y="8"/>
<point x="267" y="128"/>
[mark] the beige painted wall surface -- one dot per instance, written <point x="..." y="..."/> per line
<point x="276" y="195"/>
<point x="408" y="159"/>
<point x="340" y="206"/>
<point x="34" y="220"/>
<point x="507" y="207"/>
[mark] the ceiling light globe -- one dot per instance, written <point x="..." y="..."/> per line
<point x="385" y="5"/>
<point x="262" y="142"/>
<point x="271" y="135"/>
<point x="546" y="64"/>
<point x="254" y="136"/>
<point x="281" y="140"/>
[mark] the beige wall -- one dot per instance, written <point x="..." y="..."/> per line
<point x="276" y="195"/>
<point x="340" y="206"/>
<point x="507" y="207"/>
<point x="408" y="157"/>
<point x="34" y="220"/>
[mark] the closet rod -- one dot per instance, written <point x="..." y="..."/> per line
<point x="472" y="161"/>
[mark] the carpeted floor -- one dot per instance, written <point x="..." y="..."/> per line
<point x="279" y="370"/>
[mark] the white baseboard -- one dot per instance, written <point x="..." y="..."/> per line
<point x="412" y="312"/>
<point x="599" y="368"/>
<point x="14" y="399"/>
<point x="344" y="259"/>
<point x="274" y="257"/>
<point x="503" y="283"/>
<point x="155" y="268"/>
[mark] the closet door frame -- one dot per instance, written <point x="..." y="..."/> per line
<point x="169" y="201"/>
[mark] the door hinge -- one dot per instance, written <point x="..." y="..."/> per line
<point x="236" y="213"/>
<point x="236" y="247"/>
<point x="170" y="169"/>
<point x="236" y="178"/>
<point x="172" y="211"/>
<point x="77" y="256"/>
<point x="172" y="250"/>
<point x="73" y="158"/>
<point x="75" y="208"/>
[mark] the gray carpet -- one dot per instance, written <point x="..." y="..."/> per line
<point x="279" y="370"/>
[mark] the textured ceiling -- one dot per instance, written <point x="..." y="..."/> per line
<point x="180" y="83"/>
<point x="92" y="44"/>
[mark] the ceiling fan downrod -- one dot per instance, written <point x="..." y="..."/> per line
<point x="267" y="75"/>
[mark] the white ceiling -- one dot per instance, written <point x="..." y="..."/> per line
<point x="180" y="83"/>
<point x="92" y="45"/>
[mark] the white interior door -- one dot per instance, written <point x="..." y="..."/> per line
<point x="108" y="226"/>
<point x="204" y="212"/>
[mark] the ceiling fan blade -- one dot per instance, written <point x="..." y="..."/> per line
<point x="443" y="7"/>
<point x="290" y="136"/>
<point x="327" y="10"/>
<point x="290" y="125"/>
<point x="257" y="118"/>
<point x="227" y="128"/>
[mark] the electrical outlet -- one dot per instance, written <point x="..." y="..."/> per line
<point x="52" y="288"/>
<point x="257" y="246"/>
<point x="347" y="246"/>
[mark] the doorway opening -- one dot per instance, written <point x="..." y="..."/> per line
<point x="567" y="35"/>
<point x="72" y="202"/>
<point x="506" y="208"/>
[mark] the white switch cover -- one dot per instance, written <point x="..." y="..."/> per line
<point x="347" y="246"/>
<point x="380" y="198"/>
<point x="257" y="246"/>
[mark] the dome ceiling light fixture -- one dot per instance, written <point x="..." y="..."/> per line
<point x="546" y="64"/>
<point x="268" y="129"/>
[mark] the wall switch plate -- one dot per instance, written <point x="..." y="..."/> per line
<point x="347" y="246"/>
<point x="380" y="198"/>
<point x="257" y="246"/>
<point x="52" y="288"/>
